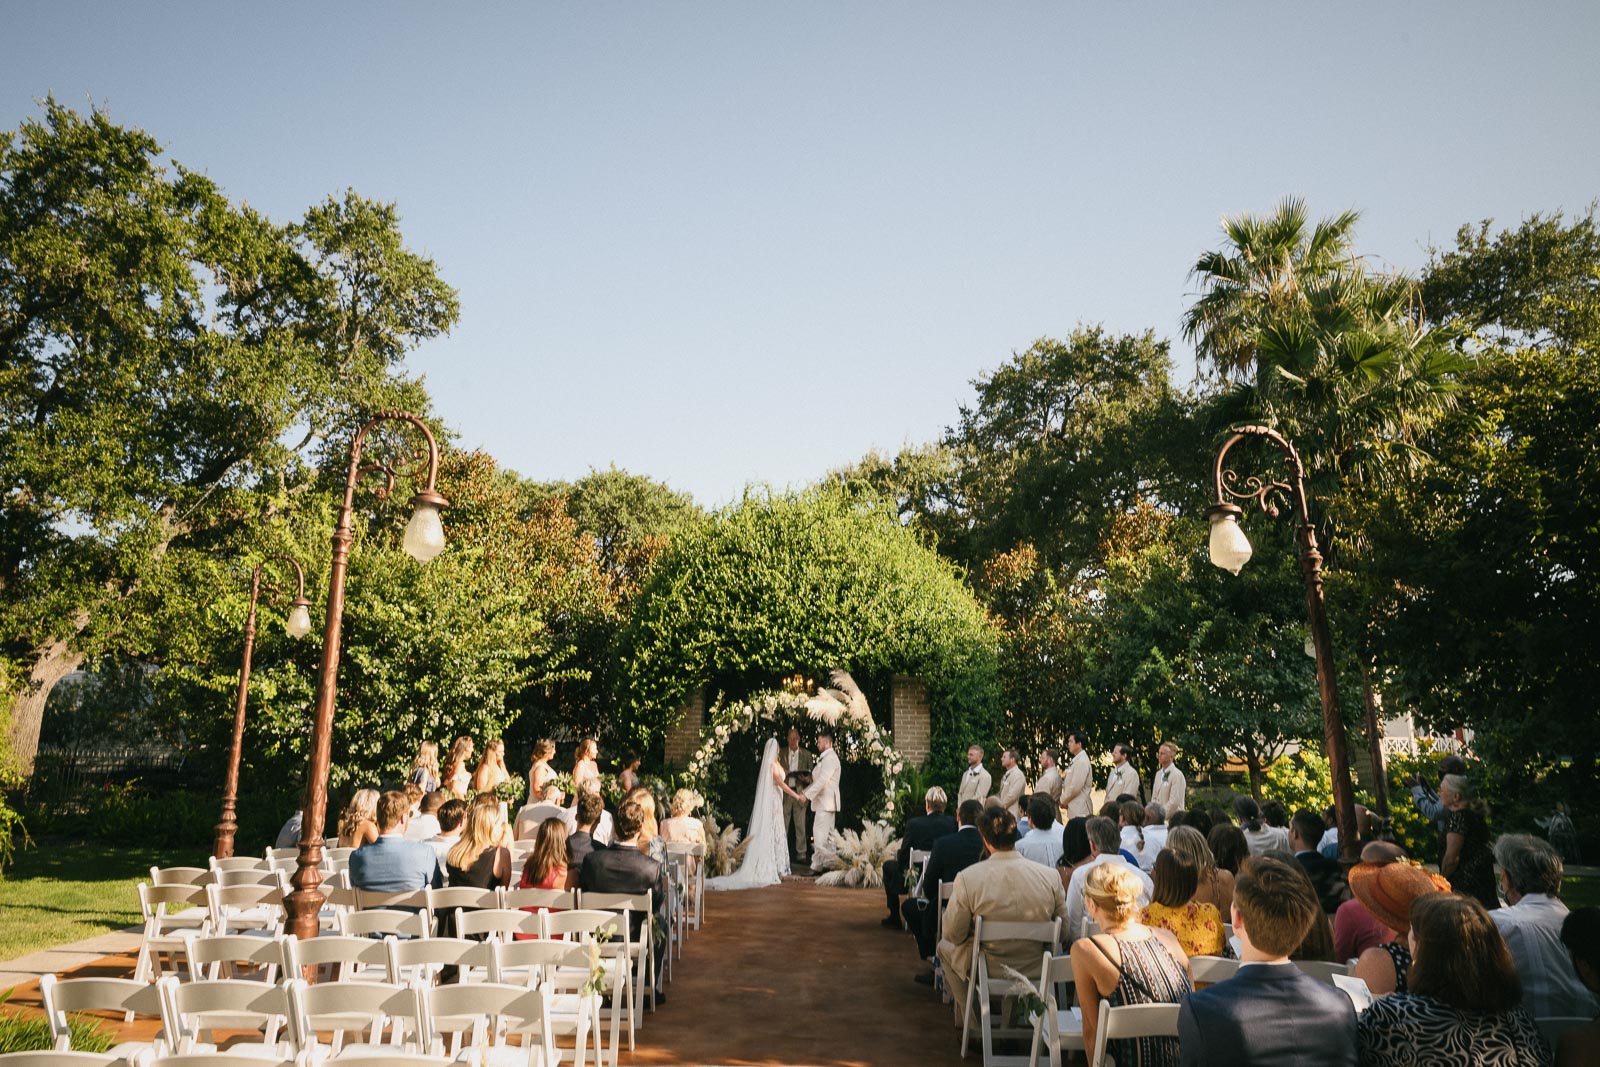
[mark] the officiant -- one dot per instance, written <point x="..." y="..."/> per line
<point x="797" y="764"/>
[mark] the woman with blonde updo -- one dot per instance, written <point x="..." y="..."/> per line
<point x="358" y="823"/>
<point x="681" y="827"/>
<point x="1127" y="963"/>
<point x="541" y="774"/>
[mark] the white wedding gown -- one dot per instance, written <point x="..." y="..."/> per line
<point x="766" y="854"/>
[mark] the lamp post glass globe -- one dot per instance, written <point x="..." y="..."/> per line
<point x="424" y="537"/>
<point x="299" y="621"/>
<point x="1230" y="548"/>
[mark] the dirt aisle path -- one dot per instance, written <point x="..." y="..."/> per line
<point x="799" y="974"/>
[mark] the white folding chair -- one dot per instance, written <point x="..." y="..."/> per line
<point x="239" y="863"/>
<point x="53" y="1058"/>
<point x="535" y="899"/>
<point x="193" y="1010"/>
<point x="441" y="903"/>
<point x="237" y="1057"/>
<point x="918" y="860"/>
<point x="196" y="876"/>
<point x="337" y="958"/>
<point x="221" y="956"/>
<point x="983" y="986"/>
<point x="132" y="999"/>
<point x="278" y="879"/>
<point x="496" y="924"/>
<point x="420" y="960"/>
<point x="695" y="877"/>
<point x="290" y="853"/>
<point x="1131" y="1021"/>
<point x="945" y="891"/>
<point x="1322" y="970"/>
<point x="1057" y="1027"/>
<point x="643" y="944"/>
<point x="335" y="858"/>
<point x="376" y="1013"/>
<point x="562" y="970"/>
<point x="1209" y="970"/>
<point x="482" y="1016"/>
<point x="378" y="922"/>
<point x="412" y="900"/>
<point x="252" y="909"/>
<point x="163" y="929"/>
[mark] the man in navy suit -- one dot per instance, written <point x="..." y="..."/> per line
<point x="950" y="855"/>
<point x="1324" y="873"/>
<point x="1269" y="1012"/>
<point x="391" y="864"/>
<point x="921" y="832"/>
<point x="622" y="868"/>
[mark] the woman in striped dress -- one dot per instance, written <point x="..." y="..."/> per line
<point x="1127" y="963"/>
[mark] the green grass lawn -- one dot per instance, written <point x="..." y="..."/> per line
<point x="1580" y="892"/>
<point x="59" y="892"/>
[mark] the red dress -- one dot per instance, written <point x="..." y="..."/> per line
<point x="555" y="879"/>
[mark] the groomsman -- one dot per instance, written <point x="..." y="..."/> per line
<point x="1049" y="778"/>
<point x="1123" y="779"/>
<point x="1012" y="783"/>
<point x="975" y="782"/>
<point x="1077" y="784"/>
<point x="1168" y="788"/>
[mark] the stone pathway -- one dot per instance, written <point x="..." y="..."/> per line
<point x="796" y="974"/>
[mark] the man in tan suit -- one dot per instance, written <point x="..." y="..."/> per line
<point x="1123" y="779"/>
<point x="1012" y="783"/>
<point x="1168" y="787"/>
<point x="1077" y="784"/>
<point x="1050" y="777"/>
<point x="975" y="781"/>
<point x="797" y="763"/>
<point x="1005" y="887"/>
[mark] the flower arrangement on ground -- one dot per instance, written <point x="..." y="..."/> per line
<point x="854" y="860"/>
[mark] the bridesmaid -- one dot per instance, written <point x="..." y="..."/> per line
<point x="541" y="774"/>
<point x="584" y="767"/>
<point x="457" y="778"/>
<point x="425" y="768"/>
<point x="492" y="768"/>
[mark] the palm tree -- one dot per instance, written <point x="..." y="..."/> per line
<point x="1265" y="270"/>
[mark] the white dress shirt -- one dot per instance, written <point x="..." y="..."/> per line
<point x="1042" y="846"/>
<point x="1550" y="986"/>
<point x="1155" y="839"/>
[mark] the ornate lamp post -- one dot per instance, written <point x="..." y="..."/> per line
<point x="298" y="625"/>
<point x="1230" y="550"/>
<point x="424" y="539"/>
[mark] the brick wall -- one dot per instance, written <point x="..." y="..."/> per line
<point x="909" y="717"/>
<point x="684" y="738"/>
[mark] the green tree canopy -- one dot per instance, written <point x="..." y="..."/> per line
<point x="807" y="582"/>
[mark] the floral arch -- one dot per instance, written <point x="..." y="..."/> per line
<point x="856" y="738"/>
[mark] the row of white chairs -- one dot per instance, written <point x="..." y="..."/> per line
<point x="339" y="1021"/>
<point x="52" y="1058"/>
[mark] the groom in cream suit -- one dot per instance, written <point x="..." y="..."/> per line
<point x="823" y="793"/>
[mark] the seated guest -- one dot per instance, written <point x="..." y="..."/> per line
<point x="1275" y="814"/>
<point x="425" y="824"/>
<point x="680" y="827"/>
<point x="1005" y="887"/>
<point x="1530" y="881"/>
<point x="414" y="793"/>
<point x="921" y="832"/>
<point x="1042" y="842"/>
<point x="580" y="836"/>
<point x="1464" y="999"/>
<point x="1580" y="933"/>
<point x="289" y="835"/>
<point x="1201" y="821"/>
<point x="649" y="828"/>
<point x="1126" y="963"/>
<point x="1386" y="891"/>
<point x="602" y="831"/>
<point x="1155" y="835"/>
<point x="477" y="860"/>
<point x="1227" y="844"/>
<point x="1257" y="835"/>
<point x="1198" y="927"/>
<point x="950" y="855"/>
<point x="452" y="817"/>
<point x="623" y="867"/>
<point x="358" y="823"/>
<point x="1075" y="850"/>
<point x="1355" y="928"/>
<point x="1324" y="873"/>
<point x="391" y="864"/>
<point x="533" y="815"/>
<point x="546" y="866"/>
<point x="1103" y="848"/>
<point x="1318" y="942"/>
<point x="1269" y="1012"/>
<point x="502" y="827"/>
<point x="1130" y="830"/>
<point x="1212" y="885"/>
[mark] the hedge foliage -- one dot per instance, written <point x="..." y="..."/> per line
<point x="807" y="582"/>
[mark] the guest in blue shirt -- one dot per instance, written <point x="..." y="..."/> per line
<point x="391" y="864"/>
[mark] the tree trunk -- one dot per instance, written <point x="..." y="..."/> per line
<point x="53" y="662"/>
<point x="1380" y="776"/>
<point x="1258" y="773"/>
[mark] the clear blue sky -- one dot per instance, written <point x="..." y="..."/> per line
<point x="744" y="242"/>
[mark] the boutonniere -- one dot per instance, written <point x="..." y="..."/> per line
<point x="1165" y="772"/>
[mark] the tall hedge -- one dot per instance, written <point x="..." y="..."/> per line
<point x="805" y="582"/>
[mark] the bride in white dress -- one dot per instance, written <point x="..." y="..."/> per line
<point x="766" y="853"/>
